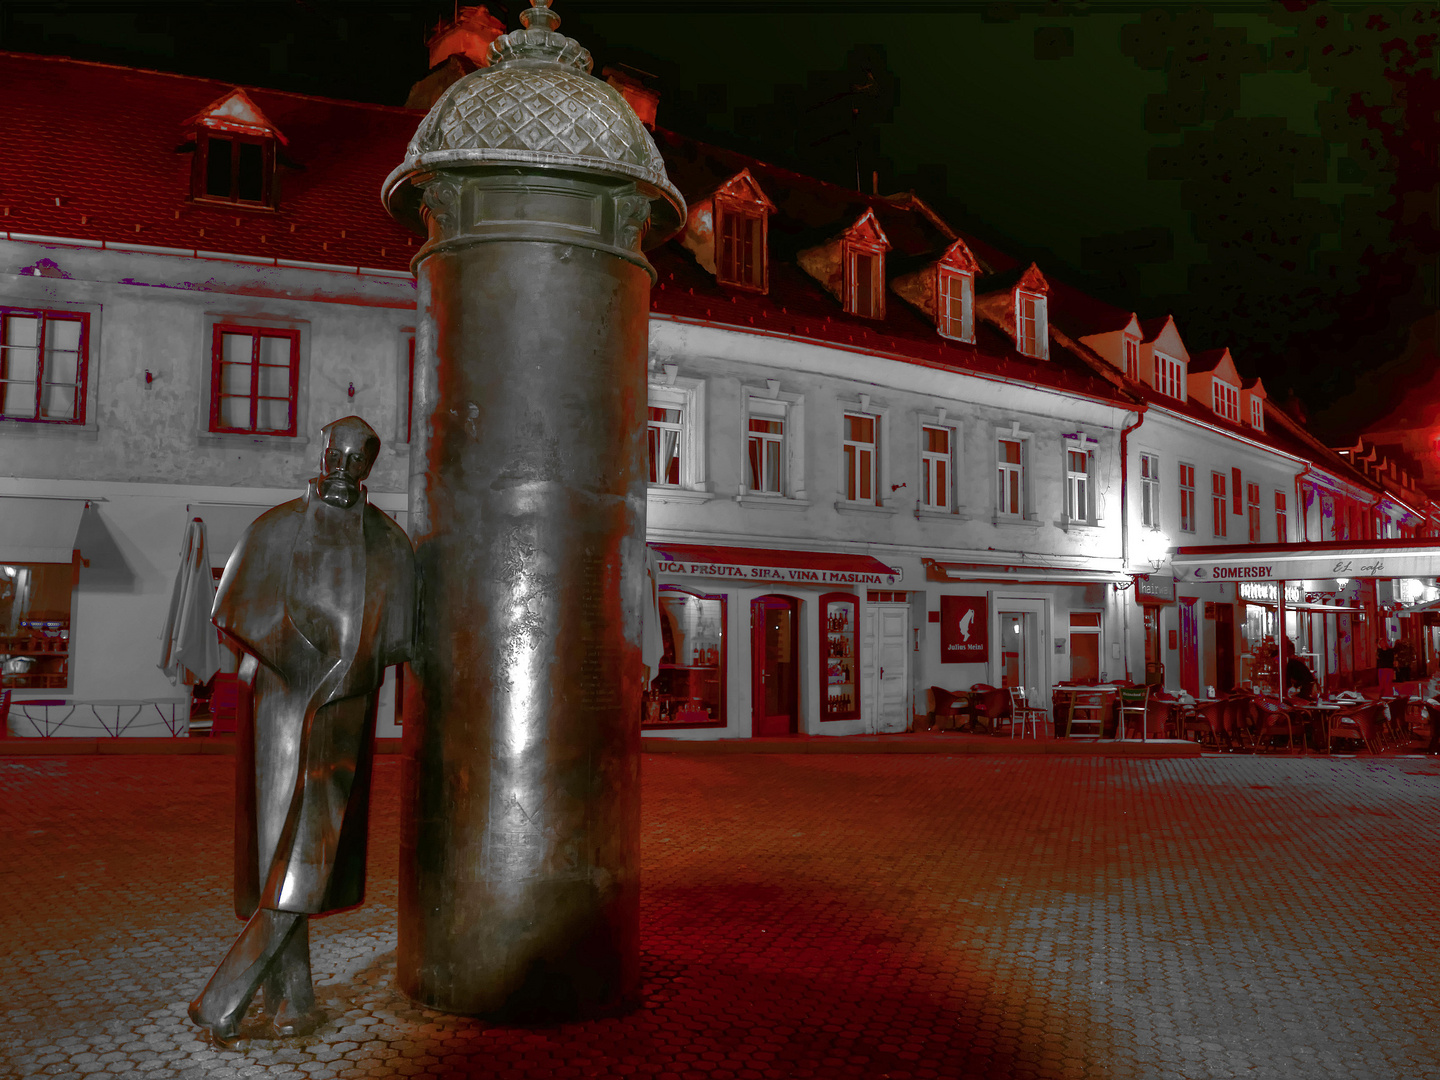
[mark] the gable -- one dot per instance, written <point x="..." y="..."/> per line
<point x="866" y="232"/>
<point x="1033" y="281"/>
<point x="235" y="112"/>
<point x="742" y="188"/>
<point x="959" y="257"/>
<point x="1167" y="341"/>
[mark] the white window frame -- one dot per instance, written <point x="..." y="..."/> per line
<point x="772" y="445"/>
<point x="1225" y="400"/>
<point x="952" y="465"/>
<point x="852" y="469"/>
<point x="1026" y="511"/>
<point x="963" y="327"/>
<point x="853" y="254"/>
<point x="1254" y="513"/>
<point x="1079" y="487"/>
<point x="1132" y="357"/>
<point x="1149" y="490"/>
<point x="1257" y="412"/>
<point x="1219" y="504"/>
<point x="769" y="403"/>
<point x="1282" y="512"/>
<point x="1188" y="489"/>
<point x="1036" y="343"/>
<point x="1169" y="376"/>
<point x="753" y="215"/>
<point x="688" y="396"/>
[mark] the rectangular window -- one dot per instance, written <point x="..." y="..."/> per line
<point x="860" y="482"/>
<point x="1282" y="528"/>
<point x="1187" y="498"/>
<point x="1257" y="412"/>
<point x="1252" y="510"/>
<point x="1031" y="335"/>
<point x="742" y="247"/>
<point x="935" y="467"/>
<point x="1132" y="358"/>
<point x="765" y="454"/>
<point x="866" y="283"/>
<point x="233" y="168"/>
<point x="1011" y="495"/>
<point x="1077" y="485"/>
<point x="43" y="365"/>
<point x="1085" y="646"/>
<point x="666" y="431"/>
<point x="35" y="604"/>
<point x="1219" y="511"/>
<point x="1169" y="378"/>
<point x="1225" y="399"/>
<point x="1150" y="491"/>
<point x="255" y="380"/>
<point x="1235" y="491"/>
<point x="957" y="306"/>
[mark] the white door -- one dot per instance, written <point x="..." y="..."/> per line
<point x="892" y="681"/>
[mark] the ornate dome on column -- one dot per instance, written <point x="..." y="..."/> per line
<point x="536" y="105"/>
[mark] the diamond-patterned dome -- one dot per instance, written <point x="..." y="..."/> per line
<point x="535" y="105"/>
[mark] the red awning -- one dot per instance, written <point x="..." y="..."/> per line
<point x="774" y="564"/>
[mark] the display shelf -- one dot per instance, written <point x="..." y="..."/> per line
<point x="840" y="662"/>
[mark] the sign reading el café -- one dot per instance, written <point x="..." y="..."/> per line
<point x="797" y="575"/>
<point x="1297" y="569"/>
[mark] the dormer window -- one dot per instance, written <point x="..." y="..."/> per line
<point x="1257" y="412"/>
<point x="1032" y="337"/>
<point x="1225" y="399"/>
<point x="235" y="152"/>
<point x="863" y="253"/>
<point x="740" y="240"/>
<point x="957" y="305"/>
<point x="1169" y="376"/>
<point x="1132" y="357"/>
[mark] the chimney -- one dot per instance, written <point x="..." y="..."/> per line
<point x="468" y="35"/>
<point x="640" y="97"/>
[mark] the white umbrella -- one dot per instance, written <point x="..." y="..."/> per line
<point x="652" y="643"/>
<point x="190" y="643"/>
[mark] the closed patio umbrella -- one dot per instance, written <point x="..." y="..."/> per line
<point x="190" y="643"/>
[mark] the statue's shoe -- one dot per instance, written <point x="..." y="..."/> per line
<point x="287" y="1024"/>
<point x="223" y="1034"/>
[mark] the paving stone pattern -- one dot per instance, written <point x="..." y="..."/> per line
<point x="875" y="916"/>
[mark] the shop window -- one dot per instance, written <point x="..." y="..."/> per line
<point x="1085" y="646"/>
<point x="689" y="691"/>
<point x="937" y="473"/>
<point x="861" y="459"/>
<point x="1219" y="510"/>
<point x="255" y="380"/>
<point x="35" y="604"/>
<point x="1225" y="400"/>
<point x="1132" y="357"/>
<point x="1077" y="485"/>
<point x="43" y="367"/>
<point x="1010" y="498"/>
<point x="1032" y="336"/>
<point x="1187" y="498"/>
<point x="1252" y="511"/>
<point x="740" y="236"/>
<point x="673" y="442"/>
<point x="840" y="670"/>
<point x="1169" y="376"/>
<point x="957" y="305"/>
<point x="233" y="168"/>
<point x="1150" y="491"/>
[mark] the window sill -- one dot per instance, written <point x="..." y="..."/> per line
<point x="863" y="508"/>
<point x="923" y="513"/>
<point x="660" y="493"/>
<point x="1006" y="519"/>
<point x="34" y="429"/>
<point x="275" y="442"/>
<point x="1080" y="526"/>
<point x="771" y="502"/>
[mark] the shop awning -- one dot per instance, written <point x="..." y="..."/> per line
<point x="774" y="564"/>
<point x="1034" y="575"/>
<point x="1293" y="562"/>
<point x="39" y="530"/>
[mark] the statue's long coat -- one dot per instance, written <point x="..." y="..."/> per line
<point x="324" y="598"/>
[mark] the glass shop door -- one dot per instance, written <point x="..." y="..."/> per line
<point x="775" y="666"/>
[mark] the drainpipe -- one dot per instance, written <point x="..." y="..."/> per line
<point x="1125" y="523"/>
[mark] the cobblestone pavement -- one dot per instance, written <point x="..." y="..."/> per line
<point x="880" y="916"/>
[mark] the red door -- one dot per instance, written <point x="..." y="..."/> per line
<point x="1189" y="648"/>
<point x="774" y="665"/>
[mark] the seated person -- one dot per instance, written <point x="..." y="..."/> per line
<point x="1300" y="678"/>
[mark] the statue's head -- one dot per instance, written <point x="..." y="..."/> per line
<point x="351" y="447"/>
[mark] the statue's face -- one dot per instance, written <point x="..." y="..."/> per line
<point x="345" y="464"/>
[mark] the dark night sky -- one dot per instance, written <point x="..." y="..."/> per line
<point x="1265" y="171"/>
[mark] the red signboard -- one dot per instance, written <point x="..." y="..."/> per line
<point x="964" y="630"/>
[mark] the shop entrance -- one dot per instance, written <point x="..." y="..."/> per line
<point x="1021" y="660"/>
<point x="887" y="644"/>
<point x="774" y="665"/>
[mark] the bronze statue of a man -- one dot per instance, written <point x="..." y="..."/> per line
<point x="320" y="595"/>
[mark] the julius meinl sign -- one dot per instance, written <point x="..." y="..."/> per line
<point x="796" y="575"/>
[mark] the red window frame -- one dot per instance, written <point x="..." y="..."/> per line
<point x="1252" y="504"/>
<point x="255" y="333"/>
<point x="1282" y="522"/>
<point x="82" y="362"/>
<point x="200" y="173"/>
<point x="1219" y="508"/>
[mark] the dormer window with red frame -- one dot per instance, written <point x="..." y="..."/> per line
<point x="863" y="254"/>
<point x="235" y="152"/>
<point x="1032" y="332"/>
<point x="742" y="227"/>
<point x="955" y="293"/>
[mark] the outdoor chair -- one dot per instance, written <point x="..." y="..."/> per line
<point x="1134" y="709"/>
<point x="1273" y="719"/>
<point x="1361" y="723"/>
<point x="990" y="703"/>
<point x="1210" y="715"/>
<point x="1024" y="715"/>
<point x="950" y="705"/>
<point x="1236" y="717"/>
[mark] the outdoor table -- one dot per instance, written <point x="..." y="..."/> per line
<point x="1109" y="696"/>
